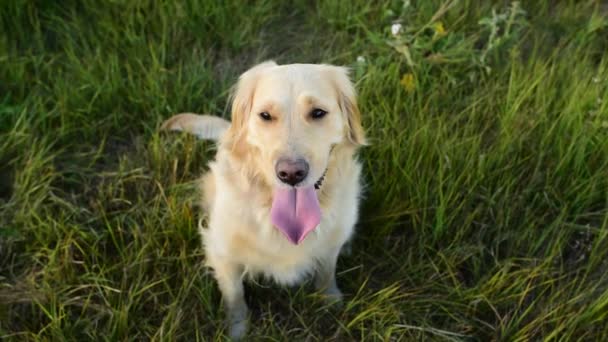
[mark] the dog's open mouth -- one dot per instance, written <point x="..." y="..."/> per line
<point x="295" y="212"/>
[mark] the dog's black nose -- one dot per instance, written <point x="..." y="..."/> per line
<point x="290" y="171"/>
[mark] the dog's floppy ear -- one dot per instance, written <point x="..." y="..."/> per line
<point x="242" y="98"/>
<point x="347" y="99"/>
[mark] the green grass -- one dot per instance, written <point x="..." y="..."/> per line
<point x="486" y="207"/>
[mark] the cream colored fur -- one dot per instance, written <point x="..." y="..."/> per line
<point x="237" y="191"/>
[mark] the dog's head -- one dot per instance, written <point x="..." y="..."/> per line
<point x="291" y="116"/>
<point x="286" y="120"/>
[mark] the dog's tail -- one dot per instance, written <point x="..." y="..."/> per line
<point x="203" y="126"/>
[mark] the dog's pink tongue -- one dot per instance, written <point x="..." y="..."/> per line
<point x="295" y="212"/>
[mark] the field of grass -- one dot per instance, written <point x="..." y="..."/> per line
<point x="486" y="206"/>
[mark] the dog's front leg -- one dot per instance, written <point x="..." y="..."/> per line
<point x="325" y="280"/>
<point x="228" y="275"/>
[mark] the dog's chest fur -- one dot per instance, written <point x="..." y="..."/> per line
<point x="241" y="228"/>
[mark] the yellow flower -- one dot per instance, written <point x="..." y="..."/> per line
<point x="408" y="82"/>
<point x="439" y="30"/>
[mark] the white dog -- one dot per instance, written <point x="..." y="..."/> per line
<point x="282" y="194"/>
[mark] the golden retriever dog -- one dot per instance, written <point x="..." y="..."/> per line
<point x="282" y="194"/>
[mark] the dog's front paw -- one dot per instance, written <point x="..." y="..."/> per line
<point x="238" y="329"/>
<point x="237" y="322"/>
<point x="333" y="294"/>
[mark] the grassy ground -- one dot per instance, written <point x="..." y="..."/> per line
<point x="485" y="215"/>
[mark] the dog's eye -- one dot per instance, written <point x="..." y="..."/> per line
<point x="317" y="113"/>
<point x="265" y="116"/>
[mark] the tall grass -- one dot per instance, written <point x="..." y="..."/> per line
<point x="485" y="211"/>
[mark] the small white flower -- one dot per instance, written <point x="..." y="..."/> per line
<point x="596" y="80"/>
<point x="396" y="29"/>
<point x="360" y="59"/>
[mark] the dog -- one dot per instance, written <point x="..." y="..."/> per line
<point x="282" y="195"/>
